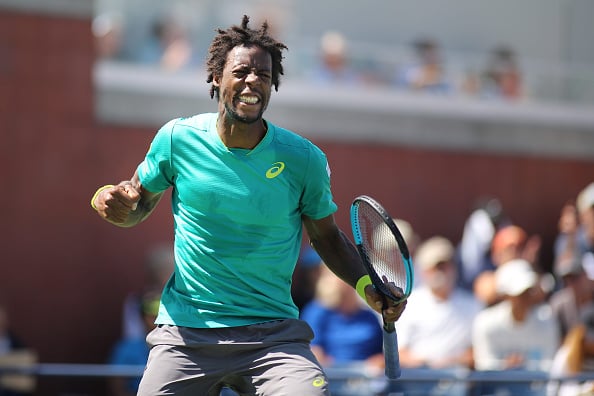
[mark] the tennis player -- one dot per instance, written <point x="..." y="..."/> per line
<point x="242" y="188"/>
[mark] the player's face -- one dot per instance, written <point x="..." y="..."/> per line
<point x="245" y="86"/>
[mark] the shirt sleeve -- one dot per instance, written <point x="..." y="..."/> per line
<point x="156" y="171"/>
<point x="317" y="201"/>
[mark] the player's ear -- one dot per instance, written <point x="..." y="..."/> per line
<point x="216" y="80"/>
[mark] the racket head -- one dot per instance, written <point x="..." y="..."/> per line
<point x="382" y="247"/>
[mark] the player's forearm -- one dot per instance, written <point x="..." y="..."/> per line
<point x="335" y="249"/>
<point x="341" y="256"/>
<point x="143" y="210"/>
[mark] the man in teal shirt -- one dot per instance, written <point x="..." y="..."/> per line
<point x="242" y="188"/>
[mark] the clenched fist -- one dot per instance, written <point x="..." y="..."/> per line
<point x="115" y="203"/>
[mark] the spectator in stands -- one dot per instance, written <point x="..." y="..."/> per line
<point x="576" y="229"/>
<point x="435" y="333"/>
<point x="427" y="73"/>
<point x="134" y="350"/>
<point x="575" y="295"/>
<point x="305" y="277"/>
<point x="473" y="253"/>
<point x="575" y="239"/>
<point x="574" y="262"/>
<point x="509" y="243"/>
<point x="346" y="331"/>
<point x="570" y="238"/>
<point x="159" y="267"/>
<point x="334" y="65"/>
<point x="168" y="46"/>
<point x="575" y="357"/>
<point x="502" y="77"/>
<point x="14" y="353"/>
<point x="107" y="31"/>
<point x="520" y="331"/>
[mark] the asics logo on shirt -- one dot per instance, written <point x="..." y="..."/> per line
<point x="276" y="170"/>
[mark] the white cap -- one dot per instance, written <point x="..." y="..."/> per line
<point x="515" y="277"/>
<point x="585" y="199"/>
<point x="433" y="251"/>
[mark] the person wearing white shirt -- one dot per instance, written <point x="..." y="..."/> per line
<point x="435" y="332"/>
<point x="519" y="332"/>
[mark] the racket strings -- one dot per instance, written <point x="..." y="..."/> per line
<point x="381" y="247"/>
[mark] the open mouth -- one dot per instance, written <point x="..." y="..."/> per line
<point x="249" y="99"/>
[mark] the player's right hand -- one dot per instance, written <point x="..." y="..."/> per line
<point x="116" y="203"/>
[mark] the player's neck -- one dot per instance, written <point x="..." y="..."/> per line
<point x="236" y="134"/>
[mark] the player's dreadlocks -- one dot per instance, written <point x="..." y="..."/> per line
<point x="228" y="39"/>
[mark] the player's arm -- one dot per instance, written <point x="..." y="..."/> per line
<point x="342" y="258"/>
<point x="125" y="204"/>
<point x="337" y="251"/>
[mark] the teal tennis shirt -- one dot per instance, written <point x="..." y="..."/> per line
<point x="237" y="220"/>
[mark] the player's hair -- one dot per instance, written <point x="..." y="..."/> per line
<point x="235" y="36"/>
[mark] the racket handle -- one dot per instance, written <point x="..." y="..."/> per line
<point x="391" y="354"/>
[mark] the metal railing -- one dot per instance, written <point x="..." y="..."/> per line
<point x="356" y="381"/>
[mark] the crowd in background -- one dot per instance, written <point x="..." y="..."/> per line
<point x="484" y="303"/>
<point x="169" y="47"/>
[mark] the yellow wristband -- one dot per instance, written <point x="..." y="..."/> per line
<point x="97" y="194"/>
<point x="362" y="284"/>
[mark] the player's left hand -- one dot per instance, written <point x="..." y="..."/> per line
<point x="393" y="310"/>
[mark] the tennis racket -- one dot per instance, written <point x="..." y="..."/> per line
<point x="387" y="260"/>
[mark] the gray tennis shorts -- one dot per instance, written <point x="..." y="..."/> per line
<point x="266" y="359"/>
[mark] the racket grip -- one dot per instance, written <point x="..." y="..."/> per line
<point x="391" y="354"/>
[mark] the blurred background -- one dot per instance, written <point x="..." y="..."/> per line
<point x="548" y="40"/>
<point x="429" y="106"/>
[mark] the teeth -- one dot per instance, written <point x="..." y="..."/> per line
<point x="249" y="99"/>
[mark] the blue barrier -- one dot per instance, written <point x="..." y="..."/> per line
<point x="357" y="381"/>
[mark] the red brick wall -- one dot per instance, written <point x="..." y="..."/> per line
<point x="64" y="273"/>
<point x="435" y="190"/>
